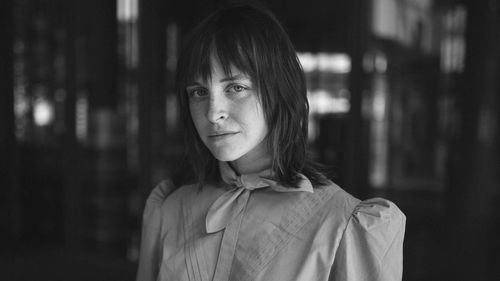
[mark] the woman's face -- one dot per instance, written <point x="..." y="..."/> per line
<point x="228" y="115"/>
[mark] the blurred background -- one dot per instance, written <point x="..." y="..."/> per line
<point x="404" y="99"/>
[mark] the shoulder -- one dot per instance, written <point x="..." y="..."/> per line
<point x="340" y="202"/>
<point x="377" y="214"/>
<point x="166" y="190"/>
<point x="366" y="214"/>
<point x="156" y="198"/>
<point x="167" y="203"/>
<point x="163" y="194"/>
<point x="160" y="192"/>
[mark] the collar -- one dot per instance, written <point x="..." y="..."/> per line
<point x="232" y="202"/>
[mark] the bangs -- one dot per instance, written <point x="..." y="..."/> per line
<point x="232" y="45"/>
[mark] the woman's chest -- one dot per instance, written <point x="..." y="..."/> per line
<point x="266" y="239"/>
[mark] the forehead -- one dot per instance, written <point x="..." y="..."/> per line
<point x="214" y="54"/>
<point x="219" y="72"/>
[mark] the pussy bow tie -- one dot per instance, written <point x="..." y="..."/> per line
<point x="232" y="202"/>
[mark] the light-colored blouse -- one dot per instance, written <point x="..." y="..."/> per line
<point x="250" y="228"/>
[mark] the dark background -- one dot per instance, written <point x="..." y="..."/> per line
<point x="89" y="124"/>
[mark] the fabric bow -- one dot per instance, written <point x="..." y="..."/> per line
<point x="232" y="202"/>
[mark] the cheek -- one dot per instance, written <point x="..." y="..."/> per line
<point x="256" y="120"/>
<point x="259" y="114"/>
<point x="196" y="116"/>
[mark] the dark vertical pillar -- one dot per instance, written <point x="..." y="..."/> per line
<point x="475" y="157"/>
<point x="72" y="206"/>
<point x="103" y="60"/>
<point x="357" y="143"/>
<point x="151" y="67"/>
<point x="9" y="201"/>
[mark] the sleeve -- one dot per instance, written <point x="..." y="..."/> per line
<point x="150" y="247"/>
<point x="372" y="244"/>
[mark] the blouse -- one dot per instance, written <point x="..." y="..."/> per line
<point x="251" y="228"/>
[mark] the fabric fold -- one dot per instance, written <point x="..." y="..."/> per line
<point x="230" y="204"/>
<point x="226" y="208"/>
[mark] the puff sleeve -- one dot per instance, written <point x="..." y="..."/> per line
<point x="371" y="247"/>
<point x="150" y="247"/>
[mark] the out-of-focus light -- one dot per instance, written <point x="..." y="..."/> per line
<point x="327" y="62"/>
<point x="21" y="102"/>
<point x="453" y="42"/>
<point x="375" y="62"/>
<point x="43" y="112"/>
<point x="324" y="102"/>
<point x="337" y="63"/>
<point x="408" y="22"/>
<point x="312" y="130"/>
<point x="379" y="102"/>
<point x="380" y="63"/>
<point x="171" y="113"/>
<point x="127" y="10"/>
<point x="172" y="43"/>
<point x="379" y="147"/>
<point x="308" y="61"/>
<point x="81" y="126"/>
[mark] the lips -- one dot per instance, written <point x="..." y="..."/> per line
<point x="218" y="134"/>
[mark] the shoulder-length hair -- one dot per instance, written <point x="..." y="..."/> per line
<point x="251" y="39"/>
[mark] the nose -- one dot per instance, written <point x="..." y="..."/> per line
<point x="217" y="109"/>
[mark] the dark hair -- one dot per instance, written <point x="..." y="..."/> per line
<point x="251" y="39"/>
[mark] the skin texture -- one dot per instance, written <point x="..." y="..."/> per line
<point x="228" y="116"/>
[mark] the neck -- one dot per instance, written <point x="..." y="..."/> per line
<point x="251" y="167"/>
<point x="252" y="162"/>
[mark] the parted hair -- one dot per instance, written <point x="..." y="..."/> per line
<point x="250" y="38"/>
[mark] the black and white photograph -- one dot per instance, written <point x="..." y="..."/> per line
<point x="249" y="140"/>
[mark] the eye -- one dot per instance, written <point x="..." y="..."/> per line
<point x="237" y="88"/>
<point x="197" y="92"/>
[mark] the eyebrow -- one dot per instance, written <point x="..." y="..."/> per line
<point x="236" y="77"/>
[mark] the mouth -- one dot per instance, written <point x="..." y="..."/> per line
<point x="221" y="134"/>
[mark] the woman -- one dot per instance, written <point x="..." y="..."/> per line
<point x="258" y="209"/>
